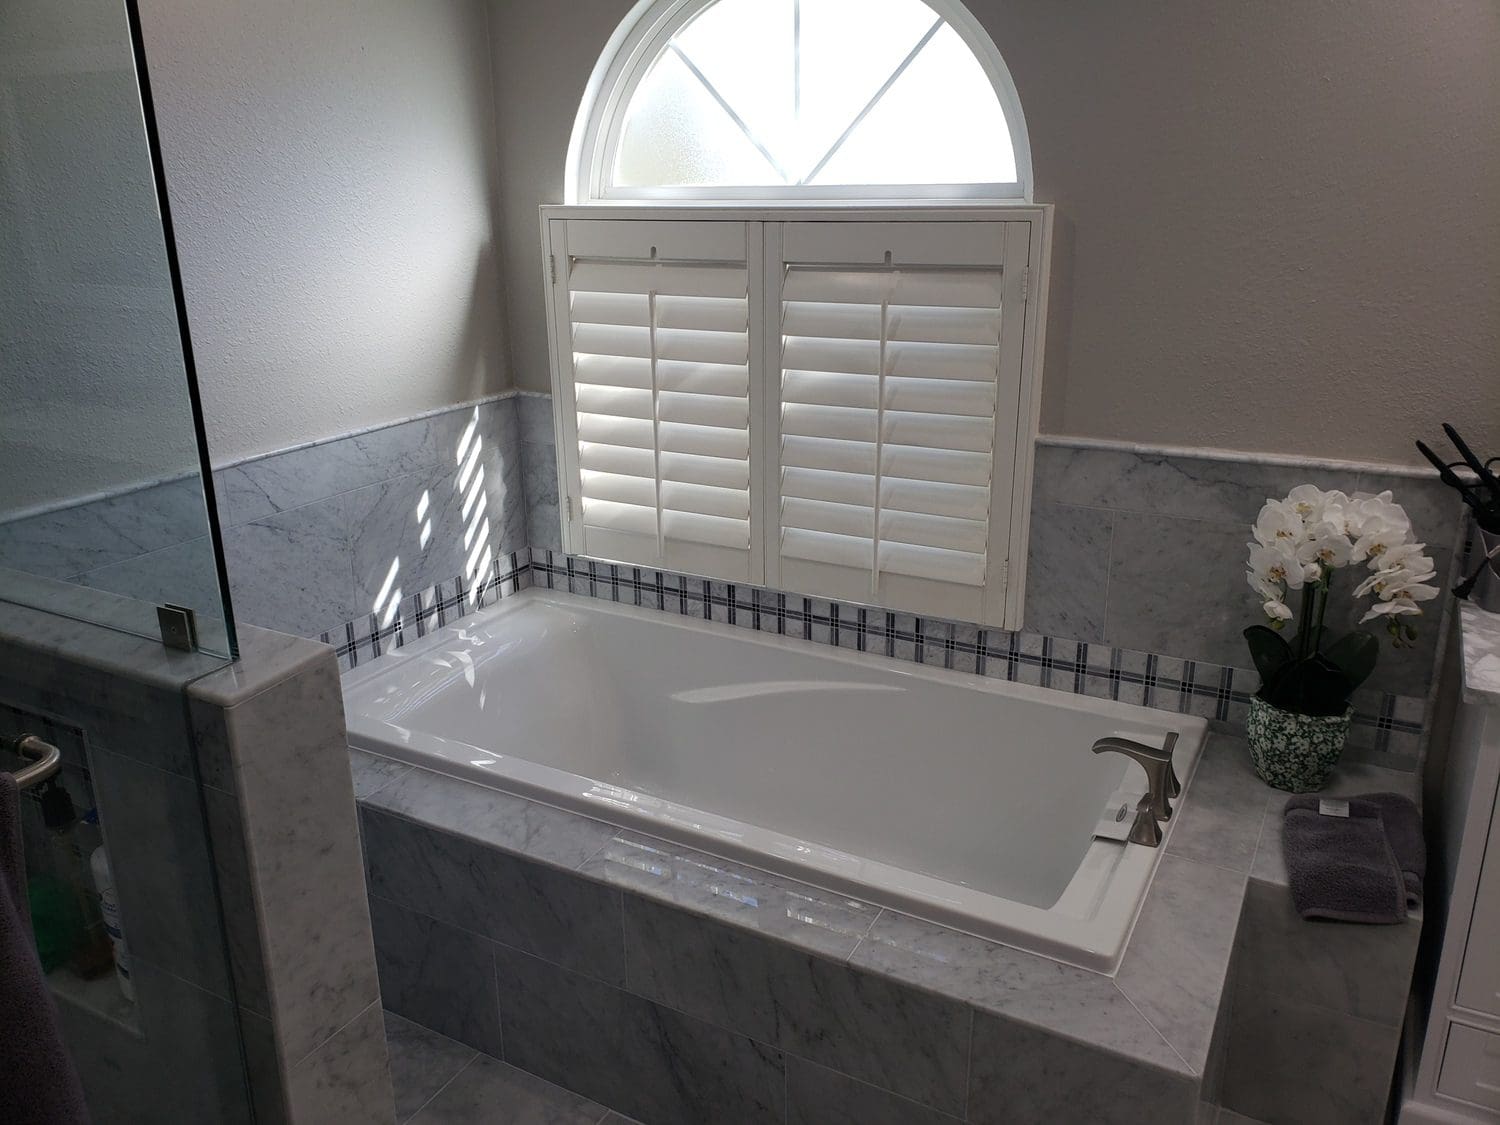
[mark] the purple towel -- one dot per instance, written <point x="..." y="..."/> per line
<point x="38" y="1085"/>
<point x="1367" y="866"/>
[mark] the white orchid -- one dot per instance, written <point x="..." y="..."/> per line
<point x="1276" y="564"/>
<point x="1325" y="543"/>
<point x="1278" y="523"/>
<point x="1302" y="539"/>
<point x="1277" y="610"/>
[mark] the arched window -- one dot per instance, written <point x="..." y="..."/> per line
<point x="829" y="387"/>
<point x="800" y="99"/>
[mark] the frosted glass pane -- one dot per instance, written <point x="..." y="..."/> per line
<point x="676" y="134"/>
<point x="849" y="50"/>
<point x="941" y="122"/>
<point x="744" y="48"/>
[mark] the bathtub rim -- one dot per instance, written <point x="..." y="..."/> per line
<point x="1097" y="944"/>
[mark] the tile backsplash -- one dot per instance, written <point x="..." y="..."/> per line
<point x="1135" y="585"/>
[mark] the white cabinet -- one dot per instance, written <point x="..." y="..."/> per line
<point x="1457" y="1079"/>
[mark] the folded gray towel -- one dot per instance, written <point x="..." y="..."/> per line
<point x="1364" y="867"/>
<point x="38" y="1085"/>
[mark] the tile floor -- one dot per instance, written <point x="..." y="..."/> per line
<point x="441" y="1082"/>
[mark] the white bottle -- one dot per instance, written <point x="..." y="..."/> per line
<point x="109" y="906"/>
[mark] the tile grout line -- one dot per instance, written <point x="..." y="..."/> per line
<point x="1170" y="1046"/>
<point x="411" y="1117"/>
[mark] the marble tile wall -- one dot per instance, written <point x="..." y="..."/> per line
<point x="310" y="533"/>
<point x="271" y="747"/>
<point x="677" y="988"/>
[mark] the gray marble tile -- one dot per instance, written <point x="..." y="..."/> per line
<point x="997" y="979"/>
<point x="1229" y="1117"/>
<point x="101" y="533"/>
<point x="867" y="1026"/>
<point x="1220" y="821"/>
<point x="436" y="975"/>
<point x="489" y="1090"/>
<point x="1480" y="640"/>
<point x="534" y="413"/>
<point x="1201" y="488"/>
<point x="346" y="1078"/>
<point x="543" y="522"/>
<point x="1176" y="966"/>
<point x="293" y="571"/>
<point x="163" y="868"/>
<point x="1191" y="602"/>
<point x="526" y="905"/>
<point x="805" y="916"/>
<point x="819" y="1096"/>
<point x="282" y="481"/>
<point x="372" y="774"/>
<point x="488" y="816"/>
<point x="648" y="1061"/>
<point x="1360" y="970"/>
<point x="236" y="889"/>
<point x="297" y="806"/>
<point x="1304" y="1065"/>
<point x="178" y="1023"/>
<point x="184" y="574"/>
<point x="422" y="1062"/>
<point x="1067" y="571"/>
<point x="263" y="1070"/>
<point x="1021" y="1076"/>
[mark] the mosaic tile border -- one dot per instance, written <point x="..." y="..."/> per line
<point x="367" y="637"/>
<point x="1385" y="724"/>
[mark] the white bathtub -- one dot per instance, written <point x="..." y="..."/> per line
<point x="960" y="799"/>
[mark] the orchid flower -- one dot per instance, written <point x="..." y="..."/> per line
<point x="1278" y="523"/>
<point x="1325" y="544"/>
<point x="1276" y="564"/>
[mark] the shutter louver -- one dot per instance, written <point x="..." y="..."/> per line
<point x="661" y="387"/>
<point x="889" y="392"/>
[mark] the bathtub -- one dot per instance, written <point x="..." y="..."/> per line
<point x="967" y="801"/>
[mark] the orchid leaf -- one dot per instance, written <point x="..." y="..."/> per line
<point x="1269" y="651"/>
<point x="1313" y="686"/>
<point x="1354" y="654"/>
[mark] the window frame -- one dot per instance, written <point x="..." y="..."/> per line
<point x="644" y="34"/>
<point x="1009" y="541"/>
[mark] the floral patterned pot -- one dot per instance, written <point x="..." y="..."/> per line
<point x="1294" y="752"/>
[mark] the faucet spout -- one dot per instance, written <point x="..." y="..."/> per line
<point x="1161" y="779"/>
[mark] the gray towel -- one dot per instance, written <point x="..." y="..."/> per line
<point x="38" y="1085"/>
<point x="1364" y="867"/>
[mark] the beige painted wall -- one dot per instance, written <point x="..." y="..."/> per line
<point x="1278" y="224"/>
<point x="331" y="174"/>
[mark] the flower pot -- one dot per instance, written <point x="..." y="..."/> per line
<point x="1291" y="751"/>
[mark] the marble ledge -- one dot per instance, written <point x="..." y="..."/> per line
<point x="266" y="659"/>
<point x="1480" y="634"/>
<point x="1142" y="1014"/>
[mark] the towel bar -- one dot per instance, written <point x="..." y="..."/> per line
<point x="48" y="759"/>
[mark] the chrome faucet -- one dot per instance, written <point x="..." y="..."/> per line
<point x="1161" y="784"/>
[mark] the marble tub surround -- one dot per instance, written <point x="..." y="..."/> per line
<point x="791" y="1002"/>
<point x="539" y="466"/>
<point x="271" y="739"/>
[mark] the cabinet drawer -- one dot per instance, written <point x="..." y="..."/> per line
<point x="1479" y="978"/>
<point x="1471" y="1066"/>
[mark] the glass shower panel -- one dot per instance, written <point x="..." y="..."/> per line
<point x="104" y="501"/>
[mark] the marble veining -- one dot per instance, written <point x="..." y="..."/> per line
<point x="423" y="1061"/>
<point x="1016" y="985"/>
<point x="912" y="1042"/>
<point x="438" y="975"/>
<point x="346" y="1078"/>
<point x="486" y="1085"/>
<point x="1480" y="633"/>
<point x="527" y="905"/>
<point x="488" y="816"/>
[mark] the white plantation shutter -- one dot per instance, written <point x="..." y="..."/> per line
<point x="656" y="319"/>
<point x="899" y="395"/>
<point x="842" y="406"/>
